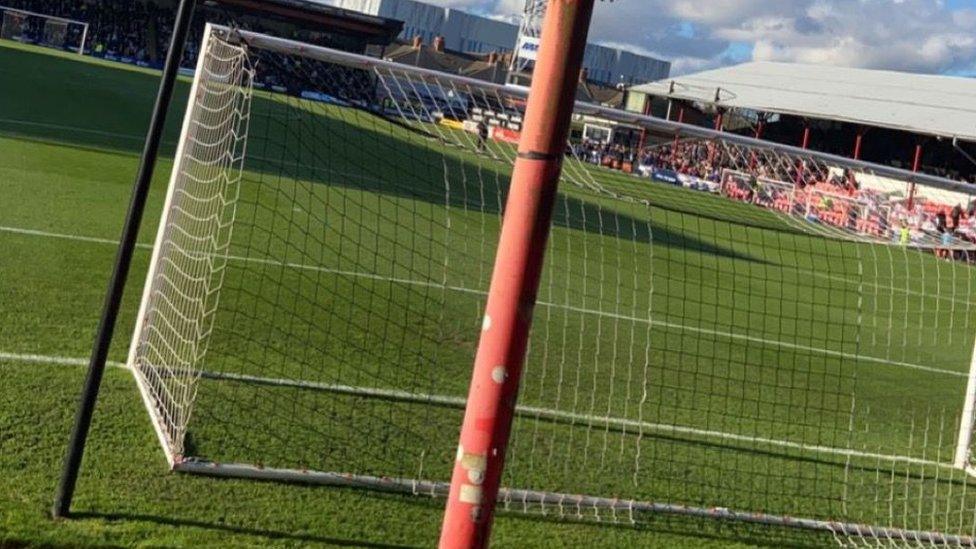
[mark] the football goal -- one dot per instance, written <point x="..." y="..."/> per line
<point x="748" y="332"/>
<point x="45" y="30"/>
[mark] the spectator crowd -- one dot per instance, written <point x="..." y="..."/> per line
<point x="138" y="32"/>
<point x="833" y="197"/>
<point x="127" y="29"/>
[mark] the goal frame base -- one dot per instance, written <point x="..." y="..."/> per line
<point x="577" y="505"/>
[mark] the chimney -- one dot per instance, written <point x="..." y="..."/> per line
<point x="583" y="75"/>
<point x="418" y="41"/>
<point x="439" y="44"/>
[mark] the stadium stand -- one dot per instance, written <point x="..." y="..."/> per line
<point x="138" y="32"/>
<point x="836" y="199"/>
<point x="906" y="120"/>
<point x="119" y="28"/>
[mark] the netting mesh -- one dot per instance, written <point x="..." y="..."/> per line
<point x="13" y="26"/>
<point x="177" y="316"/>
<point x="754" y="341"/>
<point x="55" y="34"/>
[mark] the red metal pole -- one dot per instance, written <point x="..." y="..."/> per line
<point x="800" y="175"/>
<point x="646" y="110"/>
<point x="760" y="126"/>
<point x="719" y="122"/>
<point x="515" y="280"/>
<point x="674" y="147"/>
<point x="857" y="143"/>
<point x="916" y="166"/>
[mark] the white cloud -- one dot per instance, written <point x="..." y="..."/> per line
<point x="915" y="35"/>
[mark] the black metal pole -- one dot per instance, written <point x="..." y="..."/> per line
<point x="123" y="260"/>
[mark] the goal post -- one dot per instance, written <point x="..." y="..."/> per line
<point x="192" y="240"/>
<point x="964" y="444"/>
<point x="43" y="29"/>
<point x="701" y="346"/>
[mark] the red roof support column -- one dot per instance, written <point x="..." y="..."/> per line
<point x="916" y="167"/>
<point x="674" y="147"/>
<point x="760" y="127"/>
<point x="858" y="141"/>
<point x="800" y="168"/>
<point x="646" y="110"/>
<point x="719" y="124"/>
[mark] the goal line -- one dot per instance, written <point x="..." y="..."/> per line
<point x="563" y="416"/>
<point x="532" y="411"/>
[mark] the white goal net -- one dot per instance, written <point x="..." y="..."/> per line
<point x="753" y="333"/>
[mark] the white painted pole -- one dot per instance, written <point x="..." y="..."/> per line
<point x="84" y="36"/>
<point x="965" y="439"/>
<point x="147" y="289"/>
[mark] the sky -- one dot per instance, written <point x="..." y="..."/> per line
<point x="926" y="36"/>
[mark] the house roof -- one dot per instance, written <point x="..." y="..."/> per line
<point x="428" y="58"/>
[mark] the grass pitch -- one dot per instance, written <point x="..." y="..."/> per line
<point x="70" y="130"/>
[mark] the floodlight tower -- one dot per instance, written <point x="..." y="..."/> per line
<point x="528" y="38"/>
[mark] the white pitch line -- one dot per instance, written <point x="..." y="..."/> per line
<point x="615" y="316"/>
<point x="64" y="236"/>
<point x="57" y="360"/>
<point x="807" y="271"/>
<point x="532" y="411"/>
<point x="461" y="289"/>
<point x="76" y="129"/>
<point x="560" y="415"/>
<point x="763" y="341"/>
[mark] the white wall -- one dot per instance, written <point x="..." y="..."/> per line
<point x="472" y="33"/>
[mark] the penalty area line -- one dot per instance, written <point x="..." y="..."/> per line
<point x="30" y="358"/>
<point x="460" y="289"/>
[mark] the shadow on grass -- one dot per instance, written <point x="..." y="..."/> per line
<point x="81" y="102"/>
<point x="299" y="140"/>
<point x="710" y="530"/>
<point x="704" y="529"/>
<point x="230" y="528"/>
